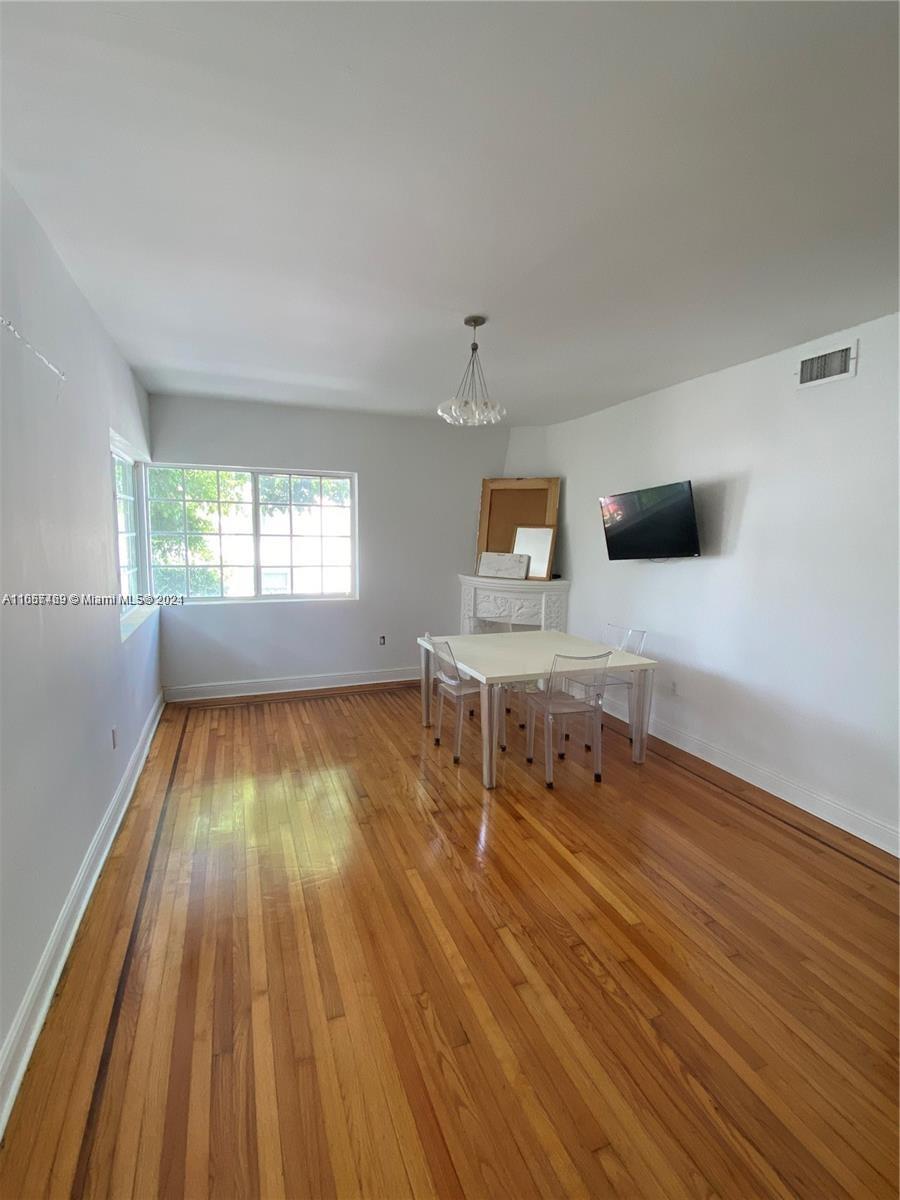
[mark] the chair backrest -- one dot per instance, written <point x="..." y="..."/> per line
<point x="443" y="663"/>
<point x="629" y="640"/>
<point x="581" y="678"/>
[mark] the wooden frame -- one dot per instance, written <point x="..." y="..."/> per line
<point x="510" y="502"/>
<point x="550" y="554"/>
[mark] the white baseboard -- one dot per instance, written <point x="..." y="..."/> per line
<point x="29" y="1019"/>
<point x="287" y="683"/>
<point x="829" y="808"/>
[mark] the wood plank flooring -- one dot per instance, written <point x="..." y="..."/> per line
<point x="322" y="961"/>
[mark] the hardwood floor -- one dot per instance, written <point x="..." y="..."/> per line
<point x="321" y="961"/>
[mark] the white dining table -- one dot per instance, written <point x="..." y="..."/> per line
<point x="493" y="659"/>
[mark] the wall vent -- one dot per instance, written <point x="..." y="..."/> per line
<point x="833" y="364"/>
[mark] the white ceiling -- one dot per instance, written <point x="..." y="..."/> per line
<point x="300" y="202"/>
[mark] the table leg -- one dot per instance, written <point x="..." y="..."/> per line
<point x="490" y="719"/>
<point x="425" y="663"/>
<point x="641" y="701"/>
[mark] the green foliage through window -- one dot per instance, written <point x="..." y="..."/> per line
<point x="226" y="533"/>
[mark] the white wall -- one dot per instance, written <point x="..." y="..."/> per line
<point x="419" y="487"/>
<point x="67" y="678"/>
<point x="782" y="639"/>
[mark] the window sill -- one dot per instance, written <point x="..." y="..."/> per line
<point x="133" y="618"/>
<point x="201" y="601"/>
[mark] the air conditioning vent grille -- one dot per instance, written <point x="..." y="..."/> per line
<point x="826" y="366"/>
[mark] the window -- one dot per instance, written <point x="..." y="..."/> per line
<point x="128" y="552"/>
<point x="220" y="533"/>
<point x="201" y="532"/>
<point x="305" y="535"/>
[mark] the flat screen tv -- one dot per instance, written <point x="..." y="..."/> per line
<point x="655" y="522"/>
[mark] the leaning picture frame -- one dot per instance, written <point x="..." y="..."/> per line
<point x="539" y="543"/>
<point x="503" y="566"/>
<point x="512" y="501"/>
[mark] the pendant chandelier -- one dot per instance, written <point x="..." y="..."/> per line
<point x="472" y="405"/>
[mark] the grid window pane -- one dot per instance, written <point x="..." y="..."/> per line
<point x="336" y="522"/>
<point x="237" y="518"/>
<point x="205" y="581"/>
<point x="336" y="580"/>
<point x="169" y="581"/>
<point x="336" y="491"/>
<point x="306" y="489"/>
<point x="336" y="552"/>
<point x="203" y="550"/>
<point x="240" y="533"/>
<point x="235" y="486"/>
<point x="275" y="551"/>
<point x="202" y="516"/>
<point x="239" y="581"/>
<point x="276" y="581"/>
<point x="166" y="516"/>
<point x="126" y="514"/>
<point x="124" y="478"/>
<point x="306" y="521"/>
<point x="201" y="485"/>
<point x="127" y="551"/>
<point x="274" y="518"/>
<point x="308" y="581"/>
<point x="128" y="561"/>
<point x="167" y="550"/>
<point x="166" y="483"/>
<point x="274" y="489"/>
<point x="188" y="532"/>
<point x="238" y="550"/>
<point x="307" y="551"/>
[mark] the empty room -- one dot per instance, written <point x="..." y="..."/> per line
<point x="449" y="600"/>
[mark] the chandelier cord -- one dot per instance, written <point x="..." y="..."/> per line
<point x="472" y="404"/>
<point x="473" y="380"/>
<point x="484" y="389"/>
<point x="462" y="382"/>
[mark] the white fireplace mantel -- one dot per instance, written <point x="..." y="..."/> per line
<point x="535" y="602"/>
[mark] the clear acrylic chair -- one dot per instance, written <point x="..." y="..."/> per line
<point x="575" y="686"/>
<point x="452" y="683"/>
<point x="631" y="641"/>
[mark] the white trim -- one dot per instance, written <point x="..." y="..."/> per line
<point x="829" y="808"/>
<point x="287" y="683"/>
<point x="29" y="1019"/>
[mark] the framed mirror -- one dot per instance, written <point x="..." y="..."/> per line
<point x="539" y="542"/>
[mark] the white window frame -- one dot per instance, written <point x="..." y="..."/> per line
<point x="255" y="473"/>
<point x="131" y="616"/>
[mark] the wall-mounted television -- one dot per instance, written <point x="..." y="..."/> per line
<point x="656" y="522"/>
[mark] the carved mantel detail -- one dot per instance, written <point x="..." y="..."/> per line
<point x="541" y="604"/>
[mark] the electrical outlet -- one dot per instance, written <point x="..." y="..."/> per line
<point x="381" y="640"/>
<point x="115" y="737"/>
<point x="673" y="687"/>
